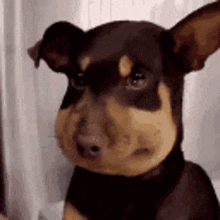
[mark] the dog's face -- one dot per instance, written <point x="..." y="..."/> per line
<point x="121" y="114"/>
<point x="116" y="116"/>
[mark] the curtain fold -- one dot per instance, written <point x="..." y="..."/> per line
<point x="37" y="174"/>
<point x="23" y="155"/>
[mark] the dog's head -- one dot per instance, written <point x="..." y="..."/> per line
<point x="122" y="111"/>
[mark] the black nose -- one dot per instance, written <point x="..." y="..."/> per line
<point x="87" y="152"/>
<point x="90" y="145"/>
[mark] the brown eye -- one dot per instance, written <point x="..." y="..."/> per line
<point x="78" y="81"/>
<point x="137" y="80"/>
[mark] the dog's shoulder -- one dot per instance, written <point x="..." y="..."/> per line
<point x="193" y="197"/>
<point x="196" y="181"/>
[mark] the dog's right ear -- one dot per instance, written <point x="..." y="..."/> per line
<point x="61" y="43"/>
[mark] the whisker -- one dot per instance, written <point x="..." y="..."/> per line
<point x="53" y="136"/>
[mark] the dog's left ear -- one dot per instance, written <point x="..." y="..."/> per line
<point x="195" y="37"/>
<point x="61" y="43"/>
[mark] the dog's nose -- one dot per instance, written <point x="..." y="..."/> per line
<point x="89" y="146"/>
<point x="87" y="152"/>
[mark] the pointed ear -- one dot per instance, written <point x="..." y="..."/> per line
<point x="61" y="43"/>
<point x="196" y="37"/>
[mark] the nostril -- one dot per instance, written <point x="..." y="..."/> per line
<point x="87" y="152"/>
<point x="95" y="149"/>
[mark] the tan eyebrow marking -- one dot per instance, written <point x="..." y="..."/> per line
<point x="85" y="62"/>
<point x="125" y="66"/>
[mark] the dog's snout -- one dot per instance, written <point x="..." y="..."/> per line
<point x="91" y="137"/>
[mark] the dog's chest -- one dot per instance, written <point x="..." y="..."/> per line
<point x="108" y="197"/>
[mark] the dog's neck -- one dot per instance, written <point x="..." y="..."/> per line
<point x="124" y="193"/>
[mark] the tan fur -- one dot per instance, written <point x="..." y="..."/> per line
<point x="71" y="213"/>
<point x="138" y="140"/>
<point x="84" y="63"/>
<point x="125" y="66"/>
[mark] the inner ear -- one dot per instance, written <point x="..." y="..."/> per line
<point x="196" y="37"/>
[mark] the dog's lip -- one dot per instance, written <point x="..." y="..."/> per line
<point x="142" y="151"/>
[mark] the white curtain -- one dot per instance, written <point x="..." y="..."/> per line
<point x="37" y="174"/>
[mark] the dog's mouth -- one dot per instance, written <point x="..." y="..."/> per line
<point x="119" y="159"/>
<point x="132" y="154"/>
<point x="126" y="159"/>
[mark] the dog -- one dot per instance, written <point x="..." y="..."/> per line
<point x="120" y="121"/>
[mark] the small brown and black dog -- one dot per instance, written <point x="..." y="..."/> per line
<point x="120" y="121"/>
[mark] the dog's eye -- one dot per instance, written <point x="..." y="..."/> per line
<point x="137" y="80"/>
<point x="78" y="81"/>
